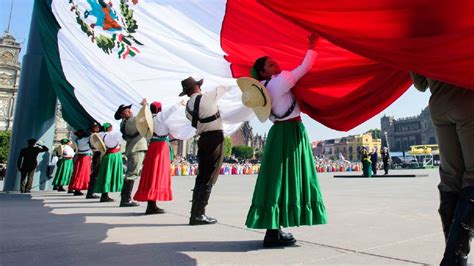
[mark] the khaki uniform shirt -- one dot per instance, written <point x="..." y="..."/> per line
<point x="207" y="107"/>
<point x="134" y="144"/>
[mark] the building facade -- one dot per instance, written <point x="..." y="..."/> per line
<point x="400" y="134"/>
<point x="9" y="79"/>
<point x="9" y="83"/>
<point x="347" y="147"/>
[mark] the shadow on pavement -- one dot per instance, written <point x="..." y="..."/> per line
<point x="31" y="235"/>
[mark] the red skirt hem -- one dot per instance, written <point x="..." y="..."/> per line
<point x="155" y="180"/>
<point x="81" y="173"/>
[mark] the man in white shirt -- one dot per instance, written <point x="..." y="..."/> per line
<point x="202" y="111"/>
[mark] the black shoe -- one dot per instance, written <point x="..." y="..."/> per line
<point x="155" y="211"/>
<point x="106" y="199"/>
<point x="129" y="204"/>
<point x="61" y="189"/>
<point x="93" y="196"/>
<point x="78" y="193"/>
<point x="276" y="238"/>
<point x="70" y="191"/>
<point x="201" y="220"/>
<point x="287" y="236"/>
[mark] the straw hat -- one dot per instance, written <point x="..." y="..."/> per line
<point x="145" y="122"/>
<point x="255" y="96"/>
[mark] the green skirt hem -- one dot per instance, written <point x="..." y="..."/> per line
<point x="272" y="217"/>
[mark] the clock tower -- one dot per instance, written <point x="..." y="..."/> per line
<point x="9" y="78"/>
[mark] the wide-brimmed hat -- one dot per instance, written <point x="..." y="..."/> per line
<point x="255" y="96"/>
<point x="118" y="113"/>
<point x="188" y="84"/>
<point x="144" y="122"/>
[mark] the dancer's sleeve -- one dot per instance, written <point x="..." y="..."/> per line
<point x="305" y="67"/>
<point x="288" y="79"/>
<point x="420" y="82"/>
<point x="170" y="111"/>
<point x="217" y="92"/>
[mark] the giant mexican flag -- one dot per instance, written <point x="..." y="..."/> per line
<point x="103" y="53"/>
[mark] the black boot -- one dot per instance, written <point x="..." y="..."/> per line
<point x="274" y="238"/>
<point x="461" y="231"/>
<point x="91" y="196"/>
<point x="126" y="195"/>
<point x="105" y="198"/>
<point x="60" y="188"/>
<point x="447" y="205"/>
<point x="78" y="193"/>
<point x="198" y="212"/>
<point x="152" y="208"/>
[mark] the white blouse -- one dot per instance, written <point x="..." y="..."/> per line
<point x="68" y="151"/>
<point x="111" y="139"/>
<point x="280" y="86"/>
<point x="83" y="146"/>
<point x="160" y="123"/>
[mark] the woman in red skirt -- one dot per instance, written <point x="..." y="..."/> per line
<point x="155" y="180"/>
<point x="82" y="166"/>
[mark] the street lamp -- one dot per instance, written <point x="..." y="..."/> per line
<point x="386" y="139"/>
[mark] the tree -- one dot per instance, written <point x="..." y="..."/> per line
<point x="376" y="134"/>
<point x="227" y="146"/>
<point x="258" y="155"/>
<point x="242" y="152"/>
<point x="4" y="145"/>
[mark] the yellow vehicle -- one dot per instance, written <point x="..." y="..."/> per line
<point x="424" y="149"/>
<point x="428" y="154"/>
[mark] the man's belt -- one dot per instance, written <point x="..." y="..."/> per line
<point x="195" y="113"/>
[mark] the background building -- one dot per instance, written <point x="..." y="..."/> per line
<point x="9" y="79"/>
<point x="9" y="83"/>
<point x="348" y="146"/>
<point x="405" y="132"/>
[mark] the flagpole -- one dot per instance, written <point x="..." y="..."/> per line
<point x="35" y="111"/>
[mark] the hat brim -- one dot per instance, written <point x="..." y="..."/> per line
<point x="247" y="84"/>
<point x="185" y="91"/>
<point x="118" y="113"/>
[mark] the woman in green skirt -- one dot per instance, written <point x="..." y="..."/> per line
<point x="65" y="165"/>
<point x="110" y="178"/>
<point x="287" y="191"/>
<point x="366" y="162"/>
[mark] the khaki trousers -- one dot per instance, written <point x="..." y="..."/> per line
<point x="452" y="113"/>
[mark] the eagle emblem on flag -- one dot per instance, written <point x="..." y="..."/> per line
<point x="111" y="28"/>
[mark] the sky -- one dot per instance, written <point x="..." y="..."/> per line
<point x="409" y="104"/>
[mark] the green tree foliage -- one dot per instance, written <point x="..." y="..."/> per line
<point x="242" y="152"/>
<point x="227" y="146"/>
<point x="4" y="145"/>
<point x="376" y="133"/>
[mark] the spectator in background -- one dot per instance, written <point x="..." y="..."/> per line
<point x="374" y="158"/>
<point x="385" y="158"/>
<point x="366" y="162"/>
<point x="27" y="163"/>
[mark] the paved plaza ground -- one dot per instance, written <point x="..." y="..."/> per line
<point x="375" y="221"/>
